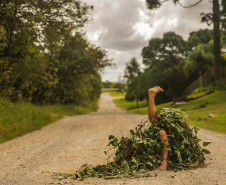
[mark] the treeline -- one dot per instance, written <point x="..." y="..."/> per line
<point x="44" y="55"/>
<point x="115" y="85"/>
<point x="172" y="63"/>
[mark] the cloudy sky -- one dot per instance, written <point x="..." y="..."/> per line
<point x="124" y="27"/>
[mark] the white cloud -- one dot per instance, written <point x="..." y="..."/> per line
<point x="124" y="27"/>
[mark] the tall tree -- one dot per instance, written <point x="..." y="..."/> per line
<point x="154" y="4"/>
<point x="131" y="75"/>
<point x="164" y="59"/>
<point x="202" y="36"/>
<point x="217" y="39"/>
<point x="43" y="55"/>
<point x="170" y="49"/>
<point x="199" y="60"/>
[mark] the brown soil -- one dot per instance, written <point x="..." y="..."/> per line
<point x="64" y="146"/>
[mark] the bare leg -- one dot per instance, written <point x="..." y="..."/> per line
<point x="151" y="103"/>
<point x="164" y="151"/>
<point x="152" y="116"/>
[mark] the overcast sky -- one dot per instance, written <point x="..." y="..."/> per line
<point x="124" y="27"/>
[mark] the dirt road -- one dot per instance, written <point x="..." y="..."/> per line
<point x="64" y="146"/>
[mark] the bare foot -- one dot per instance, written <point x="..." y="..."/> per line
<point x="155" y="90"/>
<point x="163" y="165"/>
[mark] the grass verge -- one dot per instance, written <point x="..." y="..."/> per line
<point x="116" y="94"/>
<point x="17" y="119"/>
<point x="122" y="103"/>
<point x="208" y="112"/>
<point x="129" y="105"/>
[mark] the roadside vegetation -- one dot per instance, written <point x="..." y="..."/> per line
<point x="176" y="63"/>
<point x="48" y="69"/>
<point x="208" y="111"/>
<point x="19" y="118"/>
<point x="180" y="66"/>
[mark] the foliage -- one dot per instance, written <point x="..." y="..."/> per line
<point x="132" y="73"/>
<point x="202" y="91"/>
<point x="200" y="110"/>
<point x="19" y="118"/>
<point x="174" y="63"/>
<point x="116" y="94"/>
<point x="129" y="104"/>
<point x="202" y="36"/>
<point x="223" y="15"/>
<point x="199" y="60"/>
<point x="112" y="85"/>
<point x="164" y="59"/>
<point x="44" y="57"/>
<point x="214" y="16"/>
<point x="170" y="48"/>
<point x="78" y="79"/>
<point x="141" y="151"/>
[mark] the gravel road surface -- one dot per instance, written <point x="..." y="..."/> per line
<point x="62" y="147"/>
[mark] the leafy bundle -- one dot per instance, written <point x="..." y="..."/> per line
<point x="141" y="151"/>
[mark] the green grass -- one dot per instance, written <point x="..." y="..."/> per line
<point x="144" y="110"/>
<point x="200" y="116"/>
<point x="129" y="105"/>
<point x="17" y="119"/>
<point x="197" y="116"/>
<point x="201" y="92"/>
<point x="122" y="103"/>
<point x="116" y="94"/>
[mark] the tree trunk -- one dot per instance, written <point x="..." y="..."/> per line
<point x="217" y="42"/>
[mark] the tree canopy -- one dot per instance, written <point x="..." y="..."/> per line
<point x="215" y="17"/>
<point x="44" y="56"/>
<point x="173" y="63"/>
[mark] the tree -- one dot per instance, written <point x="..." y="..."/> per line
<point x="132" y="73"/>
<point x="170" y="49"/>
<point x="25" y="41"/>
<point x="199" y="60"/>
<point x="165" y="59"/>
<point x="154" y="4"/>
<point x="202" y="36"/>
<point x="44" y="57"/>
<point x="79" y="63"/>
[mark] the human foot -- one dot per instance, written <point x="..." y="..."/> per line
<point x="163" y="165"/>
<point x="155" y="90"/>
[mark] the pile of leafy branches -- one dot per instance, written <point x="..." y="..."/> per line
<point x="141" y="151"/>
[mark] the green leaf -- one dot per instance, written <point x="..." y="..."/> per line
<point x="168" y="148"/>
<point x="125" y="167"/>
<point x="178" y="155"/>
<point x="111" y="137"/>
<point x="196" y="130"/>
<point x="132" y="132"/>
<point x="206" y="151"/>
<point x="206" y="143"/>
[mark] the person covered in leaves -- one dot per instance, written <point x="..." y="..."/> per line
<point x="166" y="143"/>
<point x="153" y="118"/>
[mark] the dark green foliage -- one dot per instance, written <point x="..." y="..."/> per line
<point x="199" y="37"/>
<point x="217" y="16"/>
<point x="173" y="64"/>
<point x="141" y="151"/>
<point x="154" y="52"/>
<point x="131" y="75"/>
<point x="223" y="15"/>
<point x="44" y="57"/>
<point x="164" y="59"/>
